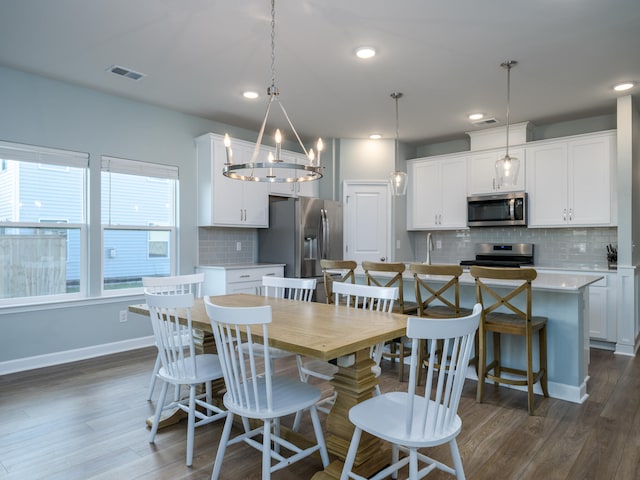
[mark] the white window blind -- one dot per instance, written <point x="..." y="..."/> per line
<point x="51" y="156"/>
<point x="136" y="167"/>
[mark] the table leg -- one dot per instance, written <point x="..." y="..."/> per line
<point x="353" y="383"/>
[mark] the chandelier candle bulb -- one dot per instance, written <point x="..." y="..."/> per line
<point x="227" y="147"/>
<point x="320" y="146"/>
<point x="278" y="145"/>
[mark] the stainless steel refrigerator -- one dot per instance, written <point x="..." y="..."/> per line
<point x="301" y="232"/>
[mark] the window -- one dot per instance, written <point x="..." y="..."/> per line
<point x="42" y="255"/>
<point x="138" y="219"/>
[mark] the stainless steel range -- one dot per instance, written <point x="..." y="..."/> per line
<point x="502" y="255"/>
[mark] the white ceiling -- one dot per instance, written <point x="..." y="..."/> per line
<point x="199" y="55"/>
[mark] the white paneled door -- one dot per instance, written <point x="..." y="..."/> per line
<point x="367" y="220"/>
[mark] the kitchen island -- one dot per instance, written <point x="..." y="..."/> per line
<point x="564" y="300"/>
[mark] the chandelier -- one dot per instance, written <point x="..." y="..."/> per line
<point x="507" y="167"/>
<point x="273" y="169"/>
<point x="398" y="178"/>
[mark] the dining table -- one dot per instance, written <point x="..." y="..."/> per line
<point x="325" y="332"/>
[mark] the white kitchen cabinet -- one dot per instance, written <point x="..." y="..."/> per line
<point x="437" y="193"/>
<point x="223" y="201"/>
<point x="601" y="317"/>
<point x="481" y="171"/>
<point x="571" y="181"/>
<point x="228" y="279"/>
<point x="295" y="189"/>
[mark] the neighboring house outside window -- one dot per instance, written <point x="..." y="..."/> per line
<point x="138" y="217"/>
<point x="40" y="253"/>
<point x="44" y="231"/>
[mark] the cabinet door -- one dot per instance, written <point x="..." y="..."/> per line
<point x="424" y="195"/>
<point x="228" y="194"/>
<point x="589" y="189"/>
<point x="482" y="172"/>
<point x="454" y="193"/>
<point x="598" y="312"/>
<point x="547" y="184"/>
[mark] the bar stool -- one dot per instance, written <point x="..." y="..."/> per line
<point x="389" y="274"/>
<point x="337" y="271"/>
<point x="438" y="298"/>
<point x="520" y="322"/>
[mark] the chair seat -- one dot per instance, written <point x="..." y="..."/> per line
<point x="290" y="395"/>
<point x="323" y="370"/>
<point x="383" y="416"/>
<point x="207" y="365"/>
<point x="508" y="323"/>
<point x="442" y="311"/>
<point x="409" y="308"/>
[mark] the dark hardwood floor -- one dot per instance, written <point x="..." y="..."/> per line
<point x="86" y="420"/>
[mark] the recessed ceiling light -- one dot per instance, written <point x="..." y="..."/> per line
<point x="375" y="136"/>
<point x="621" y="87"/>
<point x="250" y="94"/>
<point x="365" y="52"/>
<point x="476" y="116"/>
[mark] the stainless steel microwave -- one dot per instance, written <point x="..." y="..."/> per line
<point x="505" y="209"/>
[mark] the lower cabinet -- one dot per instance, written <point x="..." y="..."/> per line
<point x="603" y="309"/>
<point x="602" y="316"/>
<point x="227" y="279"/>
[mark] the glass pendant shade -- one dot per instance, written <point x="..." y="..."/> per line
<point x="507" y="169"/>
<point x="398" y="181"/>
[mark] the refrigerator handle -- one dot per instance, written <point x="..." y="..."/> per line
<point x="324" y="234"/>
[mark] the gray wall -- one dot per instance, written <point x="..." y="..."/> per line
<point x="48" y="113"/>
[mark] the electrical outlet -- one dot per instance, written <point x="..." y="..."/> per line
<point x="438" y="244"/>
<point x="238" y="246"/>
<point x="123" y="316"/>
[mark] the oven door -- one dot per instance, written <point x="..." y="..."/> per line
<point x="497" y="210"/>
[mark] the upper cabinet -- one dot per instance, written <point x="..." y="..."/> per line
<point x="293" y="189"/>
<point x="482" y="172"/>
<point x="437" y="193"/>
<point x="571" y="181"/>
<point x="223" y="201"/>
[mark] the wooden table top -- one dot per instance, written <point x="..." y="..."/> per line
<point x="314" y="329"/>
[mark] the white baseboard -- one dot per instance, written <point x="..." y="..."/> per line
<point x="57" y="358"/>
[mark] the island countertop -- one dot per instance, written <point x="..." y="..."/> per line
<point x="549" y="281"/>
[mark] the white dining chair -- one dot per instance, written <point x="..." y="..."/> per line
<point x="353" y="296"/>
<point x="289" y="288"/>
<point x="180" y="365"/>
<point x="170" y="285"/>
<point x="412" y="421"/>
<point x="254" y="392"/>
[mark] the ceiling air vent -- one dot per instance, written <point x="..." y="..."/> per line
<point x="125" y="72"/>
<point x="485" y="121"/>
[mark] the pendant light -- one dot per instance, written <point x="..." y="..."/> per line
<point x="397" y="179"/>
<point x="507" y="167"/>
<point x="272" y="168"/>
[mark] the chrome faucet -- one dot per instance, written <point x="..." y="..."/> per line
<point x="429" y="248"/>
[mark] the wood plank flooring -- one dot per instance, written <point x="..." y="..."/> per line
<point x="86" y="420"/>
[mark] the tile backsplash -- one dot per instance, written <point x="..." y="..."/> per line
<point x="554" y="247"/>
<point x="219" y="246"/>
